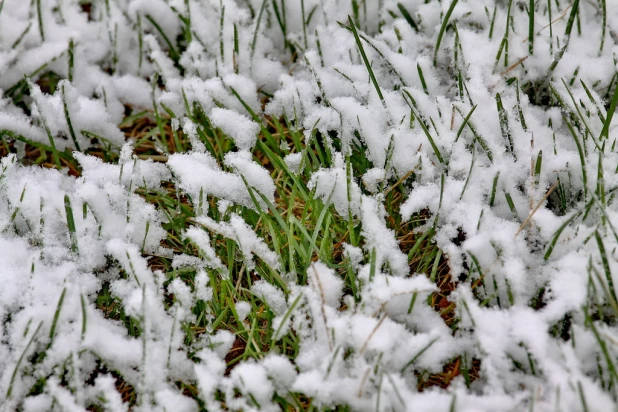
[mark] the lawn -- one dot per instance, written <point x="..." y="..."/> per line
<point x="351" y="205"/>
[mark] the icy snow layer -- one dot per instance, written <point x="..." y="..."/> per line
<point x="483" y="153"/>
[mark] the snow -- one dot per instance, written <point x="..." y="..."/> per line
<point x="271" y="295"/>
<point x="532" y="288"/>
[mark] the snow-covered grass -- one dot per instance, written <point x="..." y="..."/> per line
<point x="308" y="205"/>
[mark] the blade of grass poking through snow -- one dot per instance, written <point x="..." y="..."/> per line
<point x="140" y="43"/>
<point x="318" y="224"/>
<point x="115" y="49"/>
<point x="348" y="176"/>
<point x="281" y="20"/>
<point x="424" y="127"/>
<point x="531" y="27"/>
<point x="481" y="141"/>
<point x="178" y="146"/>
<point x="434" y="269"/>
<point x="257" y="28"/>
<point x="52" y="143"/>
<point x="269" y="137"/>
<point x="604" y="24"/>
<point x="172" y="50"/>
<point x="610" y="114"/>
<point x="606" y="268"/>
<point x="494" y="187"/>
<point x="422" y="77"/>
<point x="537" y="167"/>
<point x="145" y="236"/>
<point x="366" y="61"/>
<point x="68" y="120"/>
<point x="551" y="29"/>
<point x="159" y="121"/>
<point x="593" y="100"/>
<point x="600" y="192"/>
<point x="16" y="210"/>
<point x="465" y="122"/>
<point x="21" y="358"/>
<point x="286" y="316"/>
<point x="407" y="16"/>
<point x="538" y="205"/>
<point x="21" y="36"/>
<point x="567" y="222"/>
<point x="591" y="324"/>
<point x="39" y="14"/>
<point x="504" y="44"/>
<point x="71" y="60"/>
<point x="511" y="204"/>
<point x="235" y="53"/>
<point x="582" y="119"/>
<point x="504" y="125"/>
<point x="302" y="13"/>
<point x="493" y="22"/>
<point x="84" y="316"/>
<point x="581" y="156"/>
<point x="420" y="353"/>
<point x="567" y="33"/>
<point x="52" y="331"/>
<point x="221" y="42"/>
<point x="372" y="264"/>
<point x="520" y="111"/>
<point x="469" y="172"/>
<point x="441" y="192"/>
<point x="385" y="59"/>
<point x="70" y="223"/>
<point x="442" y="30"/>
<point x="418" y="243"/>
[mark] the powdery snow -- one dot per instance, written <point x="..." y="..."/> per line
<point x="475" y="134"/>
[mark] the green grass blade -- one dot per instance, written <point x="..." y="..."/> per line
<point x="257" y="27"/>
<point x="465" y="122"/>
<point x="407" y="16"/>
<point x="366" y="60"/>
<point x="531" y="27"/>
<point x="175" y="56"/>
<point x="70" y="223"/>
<point x="425" y="130"/>
<point x="52" y="331"/>
<point x="442" y="30"/>
<point x="610" y="114"/>
<point x="67" y="116"/>
<point x="21" y="358"/>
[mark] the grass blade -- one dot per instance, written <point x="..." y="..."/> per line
<point x="21" y="358"/>
<point x="52" y="331"/>
<point x="442" y="30"/>
<point x="610" y="114"/>
<point x="257" y="28"/>
<point x="365" y="60"/>
<point x="71" y="223"/>
<point x="465" y="122"/>
<point x="425" y="130"/>
<point x="67" y="116"/>
<point x="531" y="27"/>
<point x="407" y="16"/>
